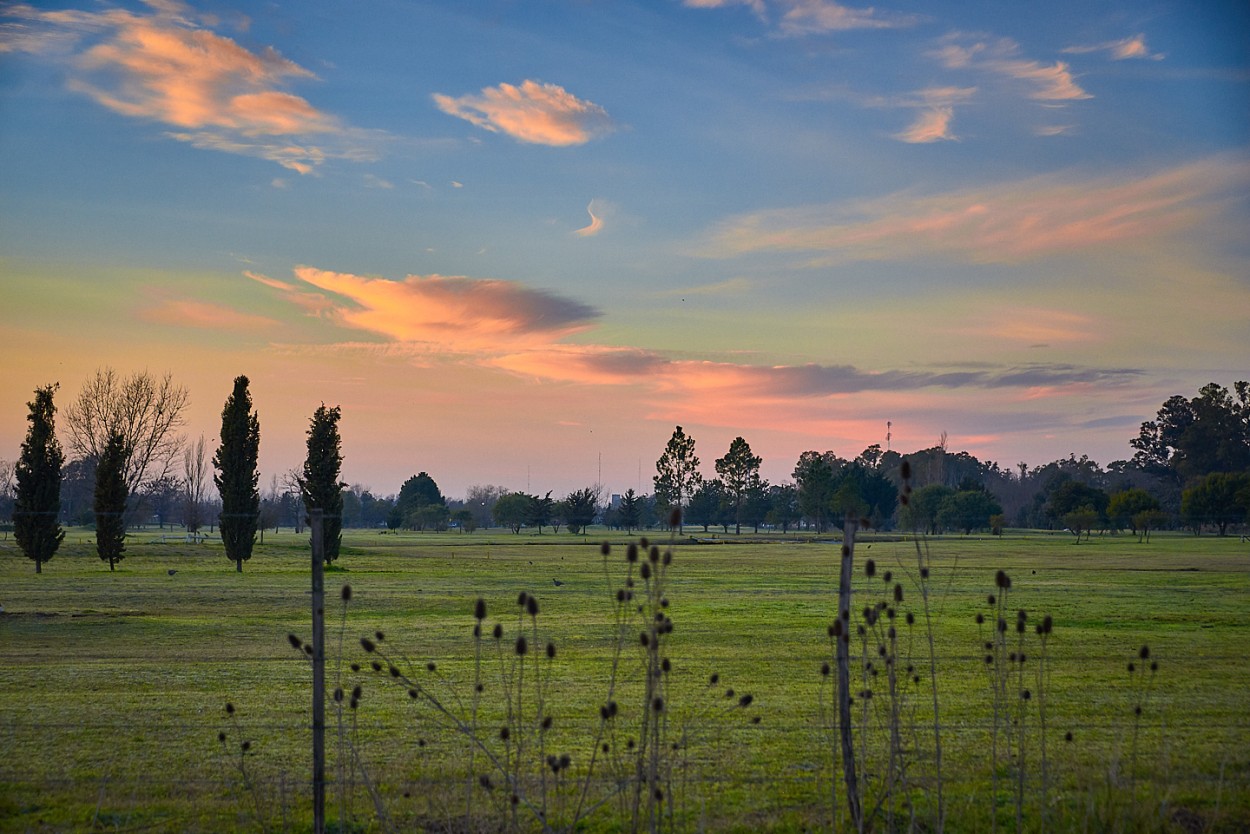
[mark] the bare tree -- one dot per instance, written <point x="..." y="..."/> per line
<point x="291" y="482"/>
<point x="194" y="484"/>
<point x="147" y="413"/>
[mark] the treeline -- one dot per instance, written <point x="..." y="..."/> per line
<point x="129" y="464"/>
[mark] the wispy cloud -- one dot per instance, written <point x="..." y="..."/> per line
<point x="596" y="220"/>
<point x="1121" y="50"/>
<point x="537" y="113"/>
<point x="1002" y="57"/>
<point x="931" y="125"/>
<point x="168" y="67"/>
<point x="814" y="17"/>
<point x="803" y="17"/>
<point x="186" y="312"/>
<point x="1009" y="222"/>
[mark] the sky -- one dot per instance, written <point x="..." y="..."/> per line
<point x="518" y="242"/>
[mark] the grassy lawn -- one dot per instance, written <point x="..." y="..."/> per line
<point x="113" y="684"/>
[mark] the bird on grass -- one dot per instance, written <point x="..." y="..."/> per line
<point x="557" y="582"/>
<point x="172" y="571"/>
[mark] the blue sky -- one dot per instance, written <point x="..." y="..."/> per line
<point x="519" y="242"/>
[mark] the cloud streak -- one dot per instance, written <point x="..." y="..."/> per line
<point x="1005" y="223"/>
<point x="535" y="113"/>
<point x="1002" y="57"/>
<point x="1122" y="50"/>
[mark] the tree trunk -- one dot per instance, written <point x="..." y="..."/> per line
<point x="238" y="566"/>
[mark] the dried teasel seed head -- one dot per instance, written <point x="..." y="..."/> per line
<point x="1132" y="667"/>
<point x="347" y="593"/>
<point x="229" y="708"/>
<point x="605" y="549"/>
<point x="245" y="746"/>
<point x="355" y="667"/>
<point x="1067" y="736"/>
<point x="668" y="558"/>
<point x="654" y="554"/>
<point x="745" y="700"/>
<point x="898" y="592"/>
<point x="991" y="599"/>
<point x="1154" y="666"/>
<point x="477" y="631"/>
<point x="924" y="573"/>
<point x="485" y="782"/>
<point x="504" y="732"/>
<point x="295" y="642"/>
<point x="394" y="672"/>
<point x="368" y="645"/>
<point x="1048" y="624"/>
<point x="911" y="618"/>
<point x="645" y="571"/>
<point x="522" y="645"/>
<point x="846" y="550"/>
<point x="531" y="606"/>
<point x="413" y="693"/>
<point x="221" y="737"/>
<point x="1144" y="654"/>
<point x="904" y="499"/>
<point x="551" y="650"/>
<point x="713" y="679"/>
<point x="631" y="553"/>
<point x="870" y="568"/>
<point x="674" y="518"/>
<point x="887" y="577"/>
<point x="498" y="632"/>
<point x="338" y="695"/>
<point x="824" y="669"/>
<point x="904" y="469"/>
<point x="479" y="609"/>
<point x="666" y="665"/>
<point x="308" y="649"/>
<point x="431" y="666"/>
<point x="657" y="704"/>
<point x="380" y="636"/>
<point x="357" y="692"/>
<point x="1001" y="580"/>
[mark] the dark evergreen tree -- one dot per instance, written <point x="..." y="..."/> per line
<point x="110" y="500"/>
<point x="580" y="509"/>
<point x="677" y="475"/>
<point x="37" y="509"/>
<point x="320" y="484"/>
<point x="237" y="475"/>
<point x="739" y="471"/>
<point x="630" y="515"/>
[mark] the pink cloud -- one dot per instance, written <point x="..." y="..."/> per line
<point x="930" y="126"/>
<point x="541" y="114"/>
<point x="1009" y="222"/>
<point x="816" y="16"/>
<point x="186" y="312"/>
<point x="1049" y="82"/>
<point x="1121" y="50"/>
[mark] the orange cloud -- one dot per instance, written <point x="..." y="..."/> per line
<point x="167" y="68"/>
<point x="450" y="312"/>
<point x="1006" y="223"/>
<point x="541" y="114"/>
<point x="596" y="223"/>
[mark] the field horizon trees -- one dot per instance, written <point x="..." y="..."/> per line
<point x="1184" y="474"/>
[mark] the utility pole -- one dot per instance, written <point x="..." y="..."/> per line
<point x="315" y="519"/>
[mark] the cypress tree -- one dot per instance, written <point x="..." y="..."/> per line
<point x="320" y="485"/>
<point x="237" y="476"/>
<point x="110" y="500"/>
<point x="36" y="513"/>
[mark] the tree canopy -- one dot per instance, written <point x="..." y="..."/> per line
<point x="319" y="484"/>
<point x="39" y="470"/>
<point x="677" y="471"/>
<point x="1195" y="437"/>
<point x="739" y="471"/>
<point x="110" y="500"/>
<point x="236" y="474"/>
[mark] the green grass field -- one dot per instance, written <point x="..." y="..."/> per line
<point x="113" y="684"/>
